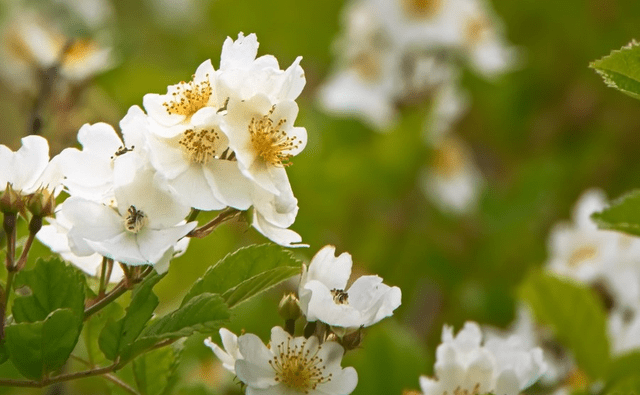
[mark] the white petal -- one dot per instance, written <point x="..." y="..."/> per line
<point x="90" y="221"/>
<point x="332" y="271"/>
<point x="283" y="237"/>
<point x="507" y="383"/>
<point x="228" y="183"/>
<point x="254" y="370"/>
<point x="153" y="243"/>
<point x="239" y="53"/>
<point x="122" y="248"/>
<point x="23" y="167"/>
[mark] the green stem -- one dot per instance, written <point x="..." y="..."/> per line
<point x="9" y="226"/>
<point x="206" y="229"/>
<point x="193" y="215"/>
<point x="34" y="228"/>
<point x="103" y="275"/>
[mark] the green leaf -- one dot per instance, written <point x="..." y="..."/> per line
<point x="628" y="386"/>
<point x="246" y="272"/>
<point x="621" y="69"/>
<point x="575" y="314"/>
<point x="93" y="327"/>
<point x="37" y="348"/>
<point x="204" y="313"/>
<point x="155" y="372"/>
<point x="116" y="336"/>
<point x="53" y="285"/>
<point x="621" y="369"/>
<point x="622" y="215"/>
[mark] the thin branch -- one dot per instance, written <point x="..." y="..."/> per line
<point x="120" y="383"/>
<point x="59" y="379"/>
<point x="207" y="228"/>
<point x="108" y="298"/>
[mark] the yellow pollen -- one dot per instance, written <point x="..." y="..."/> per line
<point x="448" y="160"/>
<point x="136" y="220"/>
<point x="78" y="51"/>
<point x="367" y="65"/>
<point x="298" y="368"/>
<point x="476" y="29"/>
<point x="584" y="253"/>
<point x="200" y="146"/>
<point x="269" y="142"/>
<point x="189" y="97"/>
<point x="421" y="9"/>
<point x="340" y="296"/>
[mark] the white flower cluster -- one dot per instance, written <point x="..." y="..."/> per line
<point x="465" y="365"/>
<point x="35" y="45"/>
<point x="396" y="52"/>
<point x="606" y="260"/>
<point x="311" y="365"/>
<point x="221" y="140"/>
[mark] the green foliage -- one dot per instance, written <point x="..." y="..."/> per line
<point x="576" y="316"/>
<point x="621" y="69"/>
<point x="623" y="372"/>
<point x="117" y="336"/>
<point x="37" y="348"/>
<point x="623" y="214"/>
<point x="53" y="285"/>
<point x="204" y="313"/>
<point x="246" y="272"/>
<point x="155" y="372"/>
<point x="93" y="327"/>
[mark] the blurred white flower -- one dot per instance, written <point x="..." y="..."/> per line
<point x="581" y="251"/>
<point x="453" y="182"/>
<point x="624" y="330"/>
<point x="465" y="366"/>
<point x="324" y="295"/>
<point x="231" y="352"/>
<point x="525" y="332"/>
<point x="31" y="46"/>
<point x="293" y="366"/>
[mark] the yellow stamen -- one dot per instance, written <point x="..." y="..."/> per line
<point x="269" y="142"/>
<point x="189" y="97"/>
<point x="297" y="368"/>
<point x="136" y="220"/>
<point x="421" y="9"/>
<point x="200" y="145"/>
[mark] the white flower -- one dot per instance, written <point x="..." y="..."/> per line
<point x="231" y="352"/>
<point x="263" y="138"/>
<point x="292" y="366"/>
<point x="89" y="173"/>
<point x="29" y="168"/>
<point x="324" y="295"/>
<point x="242" y="75"/>
<point x="581" y="251"/>
<point x="453" y="182"/>
<point x="525" y="332"/>
<point x="624" y="330"/>
<point x="465" y="366"/>
<point x="449" y="104"/>
<point x="183" y="100"/>
<point x="144" y="226"/>
<point x="55" y="237"/>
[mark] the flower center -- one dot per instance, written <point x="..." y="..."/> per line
<point x="340" y="296"/>
<point x="421" y="9"/>
<point x="367" y="65"/>
<point x="269" y="142"/>
<point x="189" y="97"/>
<point x="475" y="30"/>
<point x="136" y="220"/>
<point x="448" y="160"/>
<point x="297" y="368"/>
<point x="584" y="253"/>
<point x="200" y="146"/>
<point x="78" y="51"/>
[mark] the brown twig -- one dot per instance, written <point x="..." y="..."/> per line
<point x="206" y="229"/>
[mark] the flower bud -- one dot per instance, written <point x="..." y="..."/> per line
<point x="11" y="201"/>
<point x="41" y="203"/>
<point x="289" y="307"/>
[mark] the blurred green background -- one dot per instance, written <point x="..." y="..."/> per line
<point x="541" y="135"/>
